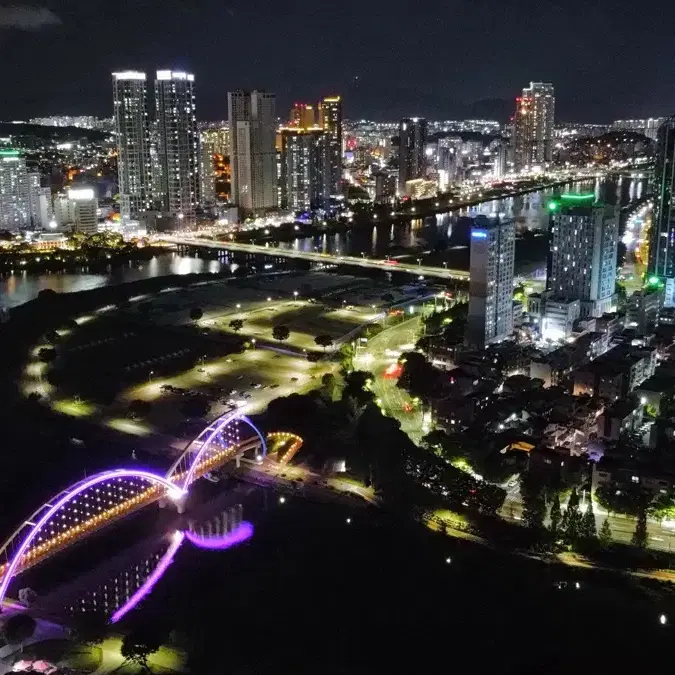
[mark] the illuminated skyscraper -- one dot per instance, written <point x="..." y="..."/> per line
<point x="584" y="236"/>
<point x="305" y="161"/>
<point x="493" y="248"/>
<point x="178" y="149"/>
<point x="533" y="126"/>
<point x="253" y="153"/>
<point x="662" y="243"/>
<point x="23" y="202"/>
<point x="330" y="119"/>
<point x="302" y="115"/>
<point x="412" y="133"/>
<point x="133" y="142"/>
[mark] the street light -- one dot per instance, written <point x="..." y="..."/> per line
<point x="253" y="342"/>
<point x="238" y="306"/>
<point x="663" y="619"/>
<point x="269" y="299"/>
<point x="282" y="500"/>
<point x="295" y="294"/>
<point x="419" y="261"/>
<point x="348" y="521"/>
<point x="448" y="560"/>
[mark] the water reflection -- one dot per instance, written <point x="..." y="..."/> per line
<point x="116" y="589"/>
<point x="444" y="231"/>
<point x="20" y="287"/>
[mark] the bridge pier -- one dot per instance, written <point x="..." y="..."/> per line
<point x="178" y="503"/>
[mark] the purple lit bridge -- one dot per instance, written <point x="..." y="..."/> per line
<point x="95" y="502"/>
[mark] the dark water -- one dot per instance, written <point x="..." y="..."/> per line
<point x="446" y="230"/>
<point x="312" y="592"/>
<point x="15" y="289"/>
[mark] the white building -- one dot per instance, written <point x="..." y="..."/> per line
<point x="533" y="126"/>
<point x="178" y="150"/>
<point x="493" y="247"/>
<point x="207" y="173"/>
<point x="559" y="317"/>
<point x="583" y="252"/>
<point x="23" y="202"/>
<point x="133" y="143"/>
<point x="253" y="152"/>
<point x="77" y="211"/>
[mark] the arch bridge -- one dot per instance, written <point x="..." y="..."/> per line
<point x="97" y="501"/>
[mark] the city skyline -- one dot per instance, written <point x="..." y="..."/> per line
<point x="607" y="75"/>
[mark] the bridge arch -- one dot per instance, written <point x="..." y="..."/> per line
<point x="33" y="545"/>
<point x="214" y="443"/>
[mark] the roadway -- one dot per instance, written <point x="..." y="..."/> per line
<point x="323" y="258"/>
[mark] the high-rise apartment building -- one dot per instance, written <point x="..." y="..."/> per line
<point x="492" y="251"/>
<point x="584" y="235"/>
<point x="649" y="126"/>
<point x="207" y="173"/>
<point x="178" y="149"/>
<point x="533" y="126"/>
<point x="132" y="128"/>
<point x="412" y="133"/>
<point x="302" y="115"/>
<point x="253" y="152"/>
<point x="662" y="243"/>
<point x="330" y="119"/>
<point x="305" y="164"/>
<point x="23" y="202"/>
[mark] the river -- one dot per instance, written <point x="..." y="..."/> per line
<point x="443" y="232"/>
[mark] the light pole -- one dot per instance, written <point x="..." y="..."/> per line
<point x="295" y="294"/>
<point x="253" y="341"/>
<point x="419" y="261"/>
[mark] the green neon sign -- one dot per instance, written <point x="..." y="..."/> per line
<point x="8" y="152"/>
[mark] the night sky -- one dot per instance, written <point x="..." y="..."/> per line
<point x="607" y="58"/>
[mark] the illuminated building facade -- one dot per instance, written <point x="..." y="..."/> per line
<point x="330" y="119"/>
<point x="253" y="155"/>
<point x="132" y="128"/>
<point x="662" y="244"/>
<point x="412" y="133"/>
<point x="533" y="126"/>
<point x="178" y="149"/>
<point x="23" y="202"/>
<point x="302" y="115"/>
<point x="584" y="236"/>
<point x="305" y="167"/>
<point x="492" y="249"/>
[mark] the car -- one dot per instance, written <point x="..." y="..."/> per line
<point x="294" y="379"/>
<point x="211" y="477"/>
<point x="234" y="392"/>
<point x="257" y="386"/>
<point x="246" y="395"/>
<point x="273" y="386"/>
<point x="241" y="377"/>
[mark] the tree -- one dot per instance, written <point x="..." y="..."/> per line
<point x="605" y="535"/>
<point x="90" y="629"/>
<point x="139" y="408"/>
<point x="347" y="353"/>
<point x="640" y="536"/>
<point x="18" y="628"/>
<point x="571" y="520"/>
<point x="323" y="340"/>
<point x="47" y="355"/>
<point x="281" y="333"/>
<point x="139" y="644"/>
<point x="357" y="387"/>
<point x="555" y="516"/>
<point x="588" y="529"/>
<point x="196" y="313"/>
<point x="534" y="503"/>
<point x="236" y="325"/>
<point x="195" y="406"/>
<point x="626" y="499"/>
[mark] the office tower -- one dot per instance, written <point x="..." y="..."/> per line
<point x="305" y="163"/>
<point x="492" y="250"/>
<point x="23" y="202"/>
<point x="134" y="176"/>
<point x="178" y="144"/>
<point x="533" y="126"/>
<point x="662" y="236"/>
<point x="218" y="138"/>
<point x="302" y="115"/>
<point x="584" y="235"/>
<point x="412" y="133"/>
<point x="82" y="210"/>
<point x="207" y="174"/>
<point x="330" y="119"/>
<point x="253" y="153"/>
